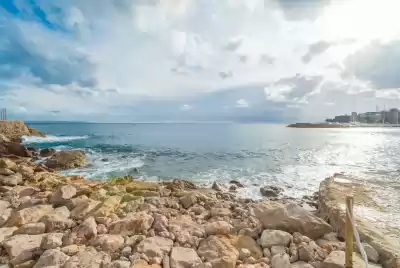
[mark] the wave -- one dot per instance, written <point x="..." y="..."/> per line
<point x="51" y="139"/>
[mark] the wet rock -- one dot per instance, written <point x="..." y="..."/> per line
<point x="237" y="183"/>
<point x="271" y="238"/>
<point x="47" y="152"/>
<point x="280" y="261"/>
<point x="67" y="160"/>
<point x="218" y="228"/>
<point x="63" y="194"/>
<point x="31" y="228"/>
<point x="51" y="257"/>
<point x="291" y="218"/>
<point x="11" y="180"/>
<point x="219" y="251"/>
<point x="270" y="191"/>
<point x="29" y="215"/>
<point x="217" y="187"/>
<point x="109" y="243"/>
<point x="155" y="248"/>
<point x="88" y="258"/>
<point x="132" y="224"/>
<point x="184" y="258"/>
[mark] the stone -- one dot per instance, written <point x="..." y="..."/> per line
<point x="5" y="215"/>
<point x="155" y="247"/>
<point x="6" y="172"/>
<point x="301" y="264"/>
<point x="244" y="253"/>
<point x="31" y="228"/>
<point x="63" y="194"/>
<point x="277" y="250"/>
<point x="291" y="218"/>
<point x="7" y="163"/>
<point x="144" y="264"/>
<point x="247" y="242"/>
<point x="270" y="191"/>
<point x="47" y="152"/>
<point x="217" y="187"/>
<point x="271" y="238"/>
<point x="5" y="233"/>
<point x="67" y="160"/>
<point x="11" y="180"/>
<point x="82" y="207"/>
<point x="108" y="242"/>
<point x="51" y="257"/>
<point x="184" y="258"/>
<point x="237" y="183"/>
<point x="188" y="200"/>
<point x="220" y="212"/>
<point x="71" y="250"/>
<point x="218" y="228"/>
<point x="57" y="222"/>
<point x="120" y="264"/>
<point x="25" y="171"/>
<point x="88" y="258"/>
<point x="219" y="251"/>
<point x="293" y="253"/>
<point x="267" y="253"/>
<point x="132" y="224"/>
<point x="306" y="253"/>
<point x="29" y="215"/>
<point x="22" y="247"/>
<point x="52" y="240"/>
<point x="372" y="254"/>
<point x="107" y="207"/>
<point x="336" y="259"/>
<point x="280" y="261"/>
<point x="126" y="251"/>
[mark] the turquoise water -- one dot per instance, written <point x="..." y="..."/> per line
<point x="255" y="154"/>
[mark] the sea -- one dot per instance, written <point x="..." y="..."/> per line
<point x="254" y="154"/>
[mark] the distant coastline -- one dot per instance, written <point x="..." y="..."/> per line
<point x="317" y="125"/>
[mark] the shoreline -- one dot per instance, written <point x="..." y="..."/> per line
<point x="70" y="221"/>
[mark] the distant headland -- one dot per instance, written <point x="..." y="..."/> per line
<point x="317" y="125"/>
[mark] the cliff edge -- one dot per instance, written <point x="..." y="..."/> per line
<point x="13" y="130"/>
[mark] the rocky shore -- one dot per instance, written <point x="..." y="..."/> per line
<point x="51" y="220"/>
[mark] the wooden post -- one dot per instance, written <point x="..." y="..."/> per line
<point x="349" y="232"/>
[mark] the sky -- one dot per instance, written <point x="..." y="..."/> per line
<point x="198" y="60"/>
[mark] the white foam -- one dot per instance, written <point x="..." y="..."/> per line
<point x="51" y="139"/>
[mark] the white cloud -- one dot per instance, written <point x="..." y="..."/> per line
<point x="163" y="50"/>
<point x="186" y="107"/>
<point x="242" y="103"/>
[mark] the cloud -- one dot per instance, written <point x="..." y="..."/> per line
<point x="145" y="60"/>
<point x="377" y="63"/>
<point x="314" y="50"/>
<point x="186" y="107"/>
<point x="242" y="103"/>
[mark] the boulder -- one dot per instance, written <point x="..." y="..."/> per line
<point x="63" y="194"/>
<point x="6" y="172"/>
<point x="13" y="130"/>
<point x="184" y="258"/>
<point x="219" y="251"/>
<point x="82" y="207"/>
<point x="185" y="230"/>
<point x="67" y="160"/>
<point x="280" y="261"/>
<point x="372" y="254"/>
<point x="290" y="218"/>
<point x="82" y="233"/>
<point x="11" y="180"/>
<point x="5" y="215"/>
<point x="220" y="212"/>
<point x="336" y="259"/>
<point x="132" y="224"/>
<point x="51" y="257"/>
<point x="107" y="207"/>
<point x="107" y="242"/>
<point x="277" y="250"/>
<point x="88" y="258"/>
<point x="188" y="200"/>
<point x="22" y="247"/>
<point x="120" y="264"/>
<point x="301" y="264"/>
<point x="155" y="248"/>
<point x="29" y="215"/>
<point x="31" y="228"/>
<point x="52" y="240"/>
<point x="237" y="183"/>
<point x="14" y="148"/>
<point x="56" y="222"/>
<point x="7" y="163"/>
<point x="218" y="228"/>
<point x="271" y="238"/>
<point x="247" y="242"/>
<point x="5" y="233"/>
<point x="270" y="191"/>
<point x="47" y="152"/>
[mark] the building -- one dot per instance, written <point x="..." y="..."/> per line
<point x="353" y="117"/>
<point x="393" y="116"/>
<point x="342" y="119"/>
<point x="370" y="117"/>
